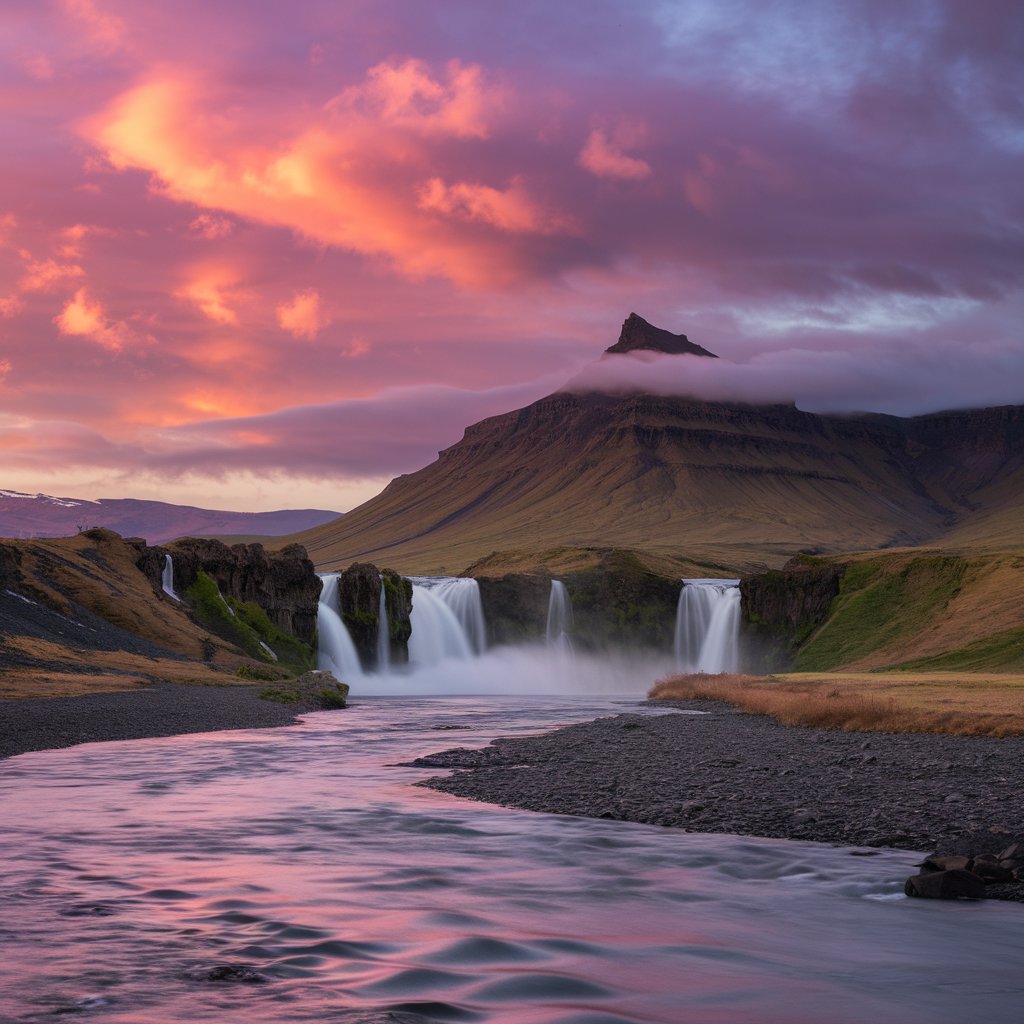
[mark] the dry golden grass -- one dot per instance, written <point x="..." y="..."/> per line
<point x="18" y="684"/>
<point x="954" y="703"/>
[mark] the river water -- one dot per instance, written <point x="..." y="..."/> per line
<point x="135" y="873"/>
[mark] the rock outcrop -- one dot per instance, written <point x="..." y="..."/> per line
<point x="359" y="592"/>
<point x="398" y="601"/>
<point x="999" y="874"/>
<point x="359" y="607"/>
<point x="284" y="584"/>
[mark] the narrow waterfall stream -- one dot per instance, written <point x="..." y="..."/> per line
<point x="335" y="651"/>
<point x="707" y="626"/>
<point x="167" y="582"/>
<point x="559" y="624"/>
<point x="383" y="633"/>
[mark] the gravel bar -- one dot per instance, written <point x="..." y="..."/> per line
<point x="727" y="771"/>
<point x="164" y="709"/>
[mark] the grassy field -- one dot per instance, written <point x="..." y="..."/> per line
<point x="957" y="703"/>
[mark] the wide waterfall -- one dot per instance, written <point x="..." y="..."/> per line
<point x="707" y="626"/>
<point x="383" y="633"/>
<point x="437" y="634"/>
<point x="168" y="578"/>
<point x="336" y="653"/>
<point x="448" y="651"/>
<point x="462" y="595"/>
<point x="559" y="618"/>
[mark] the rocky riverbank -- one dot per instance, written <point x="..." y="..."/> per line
<point x="725" y="771"/>
<point x="159" y="710"/>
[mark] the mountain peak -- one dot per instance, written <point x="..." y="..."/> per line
<point x="638" y="335"/>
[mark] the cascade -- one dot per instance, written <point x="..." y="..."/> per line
<point x="437" y="635"/>
<point x="383" y="633"/>
<point x="167" y="582"/>
<point x="462" y="595"/>
<point x="707" y="626"/>
<point x="335" y="651"/>
<point x="559" y="617"/>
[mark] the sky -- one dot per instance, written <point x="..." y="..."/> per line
<point x="259" y="255"/>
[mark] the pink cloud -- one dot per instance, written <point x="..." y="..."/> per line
<point x="85" y="317"/>
<point x="485" y="191"/>
<point x="606" y="159"/>
<point x="302" y="316"/>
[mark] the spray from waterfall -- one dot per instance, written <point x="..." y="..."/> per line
<point x="335" y="651"/>
<point x="707" y="626"/>
<point x="167" y="582"/>
<point x="383" y="633"/>
<point x="559" y="618"/>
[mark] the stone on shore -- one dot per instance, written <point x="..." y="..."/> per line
<point x="946" y="885"/>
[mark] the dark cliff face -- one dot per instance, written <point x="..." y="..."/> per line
<point x="780" y="609"/>
<point x="515" y="606"/>
<point x="637" y="335"/>
<point x="283" y="584"/>
<point x="618" y="604"/>
<point x="398" y="601"/>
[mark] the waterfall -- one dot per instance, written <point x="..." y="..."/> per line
<point x="168" y="578"/>
<point x="335" y="651"/>
<point x="268" y="651"/>
<point x="383" y="633"/>
<point x="462" y="595"/>
<point x="707" y="626"/>
<point x="559" y="617"/>
<point x="437" y="634"/>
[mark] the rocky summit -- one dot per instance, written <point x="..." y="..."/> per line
<point x="637" y="335"/>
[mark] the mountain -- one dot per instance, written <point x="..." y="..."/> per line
<point x="638" y="335"/>
<point x="42" y="515"/>
<point x="686" y="482"/>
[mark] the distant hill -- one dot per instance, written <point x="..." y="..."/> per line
<point x="716" y="483"/>
<point x="42" y="515"/>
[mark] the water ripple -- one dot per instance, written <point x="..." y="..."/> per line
<point x="296" y="875"/>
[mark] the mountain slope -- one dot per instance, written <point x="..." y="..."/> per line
<point x="726" y="484"/>
<point x="41" y="515"/>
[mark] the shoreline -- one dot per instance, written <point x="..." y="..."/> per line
<point x="727" y="771"/>
<point x="161" y="709"/>
<point x="721" y="771"/>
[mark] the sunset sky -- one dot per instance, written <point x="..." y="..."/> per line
<point x="262" y="254"/>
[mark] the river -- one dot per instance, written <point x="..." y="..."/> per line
<point x="304" y="861"/>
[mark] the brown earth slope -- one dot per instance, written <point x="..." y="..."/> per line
<point x="77" y="615"/>
<point x="732" y="485"/>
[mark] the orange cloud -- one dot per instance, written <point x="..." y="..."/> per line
<point x="86" y="318"/>
<point x="5" y="369"/>
<point x="510" y="209"/>
<point x="604" y="157"/>
<point x="10" y="305"/>
<point x="302" y="316"/>
<point x="351" y="176"/>
<point x="207" y="291"/>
